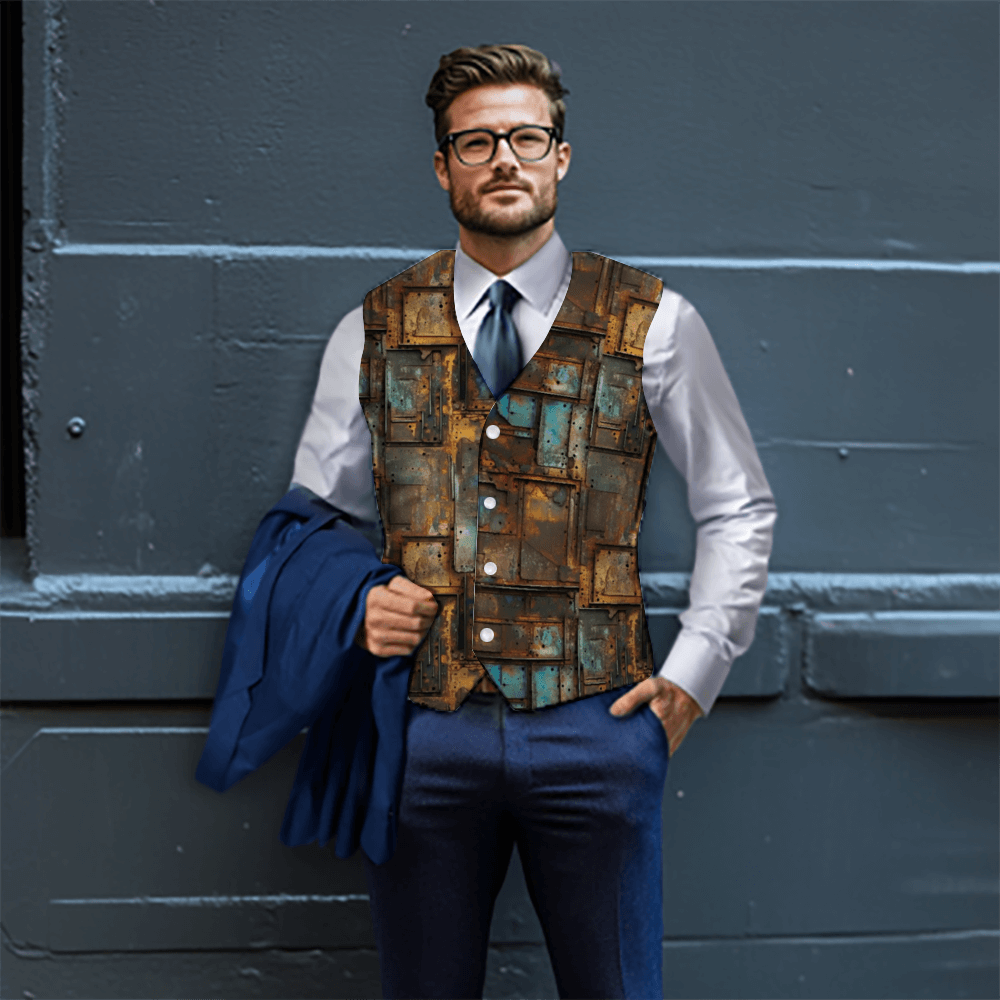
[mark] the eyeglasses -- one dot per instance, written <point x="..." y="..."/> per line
<point x="476" y="146"/>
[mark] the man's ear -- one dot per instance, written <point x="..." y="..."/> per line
<point x="441" y="169"/>
<point x="563" y="153"/>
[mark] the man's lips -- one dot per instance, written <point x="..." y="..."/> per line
<point x="504" y="187"/>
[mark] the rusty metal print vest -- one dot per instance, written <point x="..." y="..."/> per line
<point x="521" y="514"/>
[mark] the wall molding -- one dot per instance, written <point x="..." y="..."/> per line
<point x="88" y="637"/>
<point x="140" y="596"/>
<point x="233" y="251"/>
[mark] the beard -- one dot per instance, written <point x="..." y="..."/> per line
<point x="474" y="218"/>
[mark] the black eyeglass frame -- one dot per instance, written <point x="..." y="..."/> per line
<point x="449" y="140"/>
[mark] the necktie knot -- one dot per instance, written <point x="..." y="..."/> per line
<point x="503" y="295"/>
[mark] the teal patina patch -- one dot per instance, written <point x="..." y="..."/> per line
<point x="611" y="400"/>
<point x="510" y="679"/>
<point x="517" y="410"/>
<point x="545" y="685"/>
<point x="563" y="378"/>
<point x="548" y="641"/>
<point x="596" y="647"/>
<point x="553" y="434"/>
<point x="399" y="392"/>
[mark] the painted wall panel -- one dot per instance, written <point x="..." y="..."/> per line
<point x="268" y="973"/>
<point x="928" y="966"/>
<point x="823" y="842"/>
<point x="109" y="656"/>
<point x="195" y="378"/>
<point x="129" y="350"/>
<point x="751" y="129"/>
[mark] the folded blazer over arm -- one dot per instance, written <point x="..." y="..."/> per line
<point x="290" y="661"/>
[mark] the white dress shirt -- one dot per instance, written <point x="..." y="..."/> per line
<point x="698" y="422"/>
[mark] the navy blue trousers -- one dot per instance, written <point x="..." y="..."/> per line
<point x="580" y="793"/>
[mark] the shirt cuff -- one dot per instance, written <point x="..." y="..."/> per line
<point x="697" y="667"/>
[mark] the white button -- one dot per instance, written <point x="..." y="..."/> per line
<point x="490" y="502"/>
<point x="490" y="569"/>
<point x="486" y="635"/>
<point x="493" y="431"/>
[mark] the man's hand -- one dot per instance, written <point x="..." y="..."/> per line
<point x="675" y="709"/>
<point x="397" y="617"/>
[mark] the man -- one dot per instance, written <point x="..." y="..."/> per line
<point x="510" y="398"/>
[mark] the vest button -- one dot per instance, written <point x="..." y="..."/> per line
<point x="486" y="635"/>
<point x="493" y="432"/>
<point x="490" y="569"/>
<point x="490" y="502"/>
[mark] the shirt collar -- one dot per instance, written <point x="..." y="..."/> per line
<point x="537" y="279"/>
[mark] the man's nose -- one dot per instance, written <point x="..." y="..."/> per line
<point x="504" y="156"/>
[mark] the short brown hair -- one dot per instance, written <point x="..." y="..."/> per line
<point x="469" y="67"/>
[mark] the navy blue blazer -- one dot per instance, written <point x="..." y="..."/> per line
<point x="290" y="661"/>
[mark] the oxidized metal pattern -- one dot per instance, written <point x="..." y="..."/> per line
<point x="567" y="472"/>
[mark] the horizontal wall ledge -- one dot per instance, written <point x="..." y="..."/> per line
<point x="148" y="655"/>
<point x="93" y="592"/>
<point x="120" y="638"/>
<point x="904" y="654"/>
<point x="237" y="251"/>
<point x="859" y="592"/>
<point x="798" y="591"/>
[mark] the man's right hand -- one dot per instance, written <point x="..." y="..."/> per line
<point x="397" y="617"/>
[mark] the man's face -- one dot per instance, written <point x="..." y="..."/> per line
<point x="504" y="197"/>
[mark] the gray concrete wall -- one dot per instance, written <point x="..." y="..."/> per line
<point x="210" y="187"/>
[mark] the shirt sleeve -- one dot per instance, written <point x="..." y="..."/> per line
<point x="334" y="457"/>
<point x="701" y="427"/>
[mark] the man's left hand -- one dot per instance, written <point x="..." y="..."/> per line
<point x="675" y="709"/>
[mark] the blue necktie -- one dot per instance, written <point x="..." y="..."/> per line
<point x="498" y="350"/>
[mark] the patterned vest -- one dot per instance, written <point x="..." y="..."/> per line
<point x="520" y="514"/>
